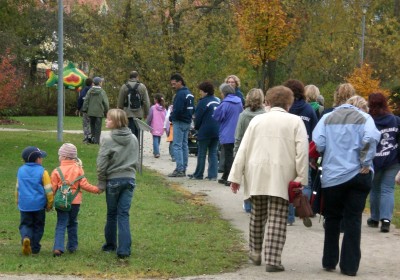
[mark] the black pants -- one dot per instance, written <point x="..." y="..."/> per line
<point x="95" y="128"/>
<point x="135" y="130"/>
<point x="228" y="152"/>
<point x="345" y="202"/>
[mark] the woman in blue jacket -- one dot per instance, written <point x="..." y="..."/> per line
<point x="207" y="133"/>
<point x="227" y="115"/>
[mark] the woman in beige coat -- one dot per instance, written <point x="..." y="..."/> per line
<point x="273" y="152"/>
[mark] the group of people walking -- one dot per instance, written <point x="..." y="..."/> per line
<point x="264" y="141"/>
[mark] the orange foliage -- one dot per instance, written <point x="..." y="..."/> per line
<point x="364" y="84"/>
<point x="9" y="81"/>
<point x="265" y="29"/>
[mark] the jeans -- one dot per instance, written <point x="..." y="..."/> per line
<point x="32" y="226"/>
<point x="119" y="194"/>
<point x="228" y="154"/>
<point x="211" y="145"/>
<point x="67" y="221"/>
<point x="86" y="126"/>
<point x="382" y="193"/>
<point x="156" y="144"/>
<point x="171" y="150"/>
<point x="95" y="128"/>
<point x="180" y="145"/>
<point x="344" y="204"/>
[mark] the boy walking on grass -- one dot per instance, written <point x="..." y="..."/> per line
<point x="34" y="195"/>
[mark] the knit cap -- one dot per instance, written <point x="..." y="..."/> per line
<point x="68" y="150"/>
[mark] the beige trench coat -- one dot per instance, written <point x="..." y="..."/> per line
<point x="273" y="152"/>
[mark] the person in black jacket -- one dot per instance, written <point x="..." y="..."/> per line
<point x="181" y="117"/>
<point x="207" y="136"/>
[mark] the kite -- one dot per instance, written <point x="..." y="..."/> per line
<point x="73" y="78"/>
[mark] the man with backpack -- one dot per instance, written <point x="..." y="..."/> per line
<point x="134" y="100"/>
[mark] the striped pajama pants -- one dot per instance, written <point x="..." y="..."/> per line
<point x="268" y="220"/>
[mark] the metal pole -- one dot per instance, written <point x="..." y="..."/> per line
<point x="60" y="88"/>
<point x="363" y="36"/>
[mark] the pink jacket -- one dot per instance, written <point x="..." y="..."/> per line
<point x="156" y="119"/>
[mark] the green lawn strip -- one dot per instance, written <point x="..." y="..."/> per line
<point x="173" y="233"/>
<point x="45" y="123"/>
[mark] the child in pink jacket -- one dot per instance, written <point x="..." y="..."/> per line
<point x="156" y="119"/>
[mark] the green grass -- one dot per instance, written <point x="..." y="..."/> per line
<point x="173" y="233"/>
<point x="45" y="123"/>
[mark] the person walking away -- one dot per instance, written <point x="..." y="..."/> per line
<point x="85" y="118"/>
<point x="311" y="93"/>
<point x="117" y="163"/>
<point x="227" y="115"/>
<point x="181" y="117"/>
<point x="207" y="135"/>
<point x="347" y="138"/>
<point x="134" y="107"/>
<point x="33" y="196"/>
<point x="386" y="162"/>
<point x="272" y="153"/>
<point x="96" y="106"/>
<point x="156" y="119"/>
<point x="68" y="220"/>
<point x="304" y="110"/>
<point x="254" y="107"/>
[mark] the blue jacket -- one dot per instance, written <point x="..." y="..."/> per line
<point x="387" y="150"/>
<point x="31" y="192"/>
<point x="239" y="94"/>
<point x="183" y="106"/>
<point x="204" y="123"/>
<point x="82" y="95"/>
<point x="304" y="110"/>
<point x="347" y="138"/>
<point x="227" y="114"/>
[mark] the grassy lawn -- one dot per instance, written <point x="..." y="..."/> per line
<point x="173" y="233"/>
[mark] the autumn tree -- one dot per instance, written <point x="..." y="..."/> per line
<point x="364" y="83"/>
<point x="265" y="31"/>
<point x="10" y="81"/>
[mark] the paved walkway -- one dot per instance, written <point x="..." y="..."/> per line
<point x="303" y="250"/>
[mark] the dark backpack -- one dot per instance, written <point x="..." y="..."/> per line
<point x="134" y="99"/>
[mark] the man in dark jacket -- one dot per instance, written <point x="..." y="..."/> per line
<point x="85" y="117"/>
<point x="96" y="106"/>
<point x="181" y="117"/>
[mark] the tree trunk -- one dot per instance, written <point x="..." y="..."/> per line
<point x="271" y="73"/>
<point x="397" y="9"/>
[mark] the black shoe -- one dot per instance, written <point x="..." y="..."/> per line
<point x="57" y="253"/>
<point x="348" y="273"/>
<point x="176" y="173"/>
<point x="329" y="269"/>
<point x="274" y="268"/>
<point x="385" y="227"/>
<point x="222" y="181"/>
<point x="227" y="183"/>
<point x="122" y="256"/>
<point x="372" y="223"/>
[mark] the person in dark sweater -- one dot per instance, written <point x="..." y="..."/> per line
<point x="85" y="118"/>
<point x="207" y="135"/>
<point x="181" y="118"/>
<point x="305" y="111"/>
<point x="386" y="162"/>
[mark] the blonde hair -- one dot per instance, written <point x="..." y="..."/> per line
<point x="311" y="92"/>
<point x="359" y="102"/>
<point x="342" y="93"/>
<point x="118" y="117"/>
<point x="255" y="99"/>
<point x="235" y="78"/>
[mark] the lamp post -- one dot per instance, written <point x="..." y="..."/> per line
<point x="364" y="11"/>
<point x="60" y="88"/>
